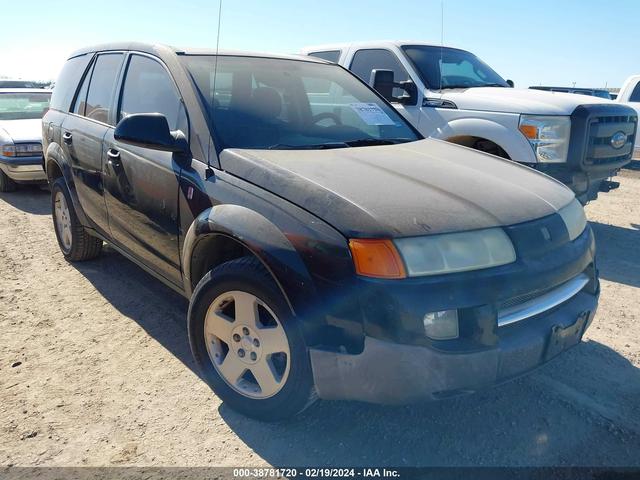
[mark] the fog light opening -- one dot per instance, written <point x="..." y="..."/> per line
<point x="442" y="325"/>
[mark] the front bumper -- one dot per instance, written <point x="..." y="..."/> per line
<point x="392" y="373"/>
<point x="23" y="169"/>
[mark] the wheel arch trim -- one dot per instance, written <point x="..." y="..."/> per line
<point x="259" y="236"/>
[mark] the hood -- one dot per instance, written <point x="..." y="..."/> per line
<point x="418" y="188"/>
<point x="519" y="100"/>
<point x="21" y="131"/>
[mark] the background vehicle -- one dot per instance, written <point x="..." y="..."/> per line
<point x="20" y="136"/>
<point x="452" y="95"/>
<point x="305" y="219"/>
<point x="630" y="95"/>
<point x="591" y="92"/>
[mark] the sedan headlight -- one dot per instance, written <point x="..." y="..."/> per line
<point x="548" y="135"/>
<point x="574" y="219"/>
<point x="456" y="252"/>
<point x="22" y="150"/>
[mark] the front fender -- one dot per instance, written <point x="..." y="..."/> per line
<point x="264" y="239"/>
<point x="512" y="142"/>
<point x="55" y="155"/>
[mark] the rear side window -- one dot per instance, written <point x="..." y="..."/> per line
<point x="148" y="88"/>
<point x="81" y="99"/>
<point x="68" y="81"/>
<point x="329" y="55"/>
<point x="635" y="95"/>
<point x="102" y="85"/>
<point x="364" y="61"/>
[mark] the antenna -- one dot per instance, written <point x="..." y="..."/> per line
<point x="215" y="74"/>
<point x="441" y="37"/>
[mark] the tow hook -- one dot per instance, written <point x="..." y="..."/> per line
<point x="608" y="185"/>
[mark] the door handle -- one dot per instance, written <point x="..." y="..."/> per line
<point x="114" y="157"/>
<point x="67" y="138"/>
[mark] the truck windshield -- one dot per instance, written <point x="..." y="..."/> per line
<point x="442" y="68"/>
<point x="20" y="106"/>
<point x="267" y="103"/>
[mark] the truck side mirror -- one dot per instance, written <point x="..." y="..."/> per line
<point x="383" y="82"/>
<point x="510" y="83"/>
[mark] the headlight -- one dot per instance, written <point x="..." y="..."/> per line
<point x="548" y="135"/>
<point x="455" y="252"/>
<point x="574" y="219"/>
<point x="22" y="150"/>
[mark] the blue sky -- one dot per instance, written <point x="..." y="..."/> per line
<point x="589" y="42"/>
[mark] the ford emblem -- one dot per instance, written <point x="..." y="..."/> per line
<point x="618" y="140"/>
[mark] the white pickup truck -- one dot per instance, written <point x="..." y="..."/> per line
<point x="450" y="94"/>
<point x="630" y="95"/>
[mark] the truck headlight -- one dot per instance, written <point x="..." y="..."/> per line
<point x="574" y="219"/>
<point x="548" y="136"/>
<point x="455" y="252"/>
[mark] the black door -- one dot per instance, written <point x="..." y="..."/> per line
<point x="142" y="184"/>
<point x="83" y="131"/>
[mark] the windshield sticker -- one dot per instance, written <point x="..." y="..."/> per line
<point x="371" y="114"/>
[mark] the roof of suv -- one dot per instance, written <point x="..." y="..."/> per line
<point x="159" y="49"/>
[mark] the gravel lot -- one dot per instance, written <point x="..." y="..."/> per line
<point x="95" y="369"/>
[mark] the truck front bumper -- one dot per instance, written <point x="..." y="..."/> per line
<point x="24" y="169"/>
<point x="393" y="373"/>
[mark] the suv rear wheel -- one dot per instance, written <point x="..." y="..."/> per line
<point x="74" y="241"/>
<point x="248" y="344"/>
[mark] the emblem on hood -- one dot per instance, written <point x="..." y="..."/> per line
<point x="618" y="140"/>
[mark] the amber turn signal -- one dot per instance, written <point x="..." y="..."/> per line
<point x="529" y="131"/>
<point x="377" y="258"/>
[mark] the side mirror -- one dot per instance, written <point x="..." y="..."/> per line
<point x="150" y="130"/>
<point x="383" y="82"/>
<point x="510" y="83"/>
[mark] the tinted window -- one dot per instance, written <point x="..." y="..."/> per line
<point x="81" y="98"/>
<point x="364" y="61"/>
<point x="68" y="82"/>
<point x="149" y="89"/>
<point x="102" y="84"/>
<point x="289" y="104"/>
<point x="331" y="55"/>
<point x="635" y="95"/>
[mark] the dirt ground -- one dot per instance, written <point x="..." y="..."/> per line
<point x="95" y="369"/>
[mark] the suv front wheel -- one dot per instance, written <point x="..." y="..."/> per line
<point x="247" y="343"/>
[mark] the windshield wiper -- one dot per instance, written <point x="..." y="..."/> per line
<point x="364" y="142"/>
<point x="318" y="146"/>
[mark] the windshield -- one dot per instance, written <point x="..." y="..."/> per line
<point x="267" y="103"/>
<point x="20" y="106"/>
<point x="451" y="68"/>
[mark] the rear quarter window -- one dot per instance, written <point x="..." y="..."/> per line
<point x="67" y="82"/>
<point x="329" y="55"/>
<point x="635" y="95"/>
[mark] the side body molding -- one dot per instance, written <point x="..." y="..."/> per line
<point x="260" y="236"/>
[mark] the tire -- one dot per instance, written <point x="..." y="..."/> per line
<point x="74" y="241"/>
<point x="7" y="184"/>
<point x="232" y="283"/>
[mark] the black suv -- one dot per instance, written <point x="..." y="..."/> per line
<point x="326" y="248"/>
